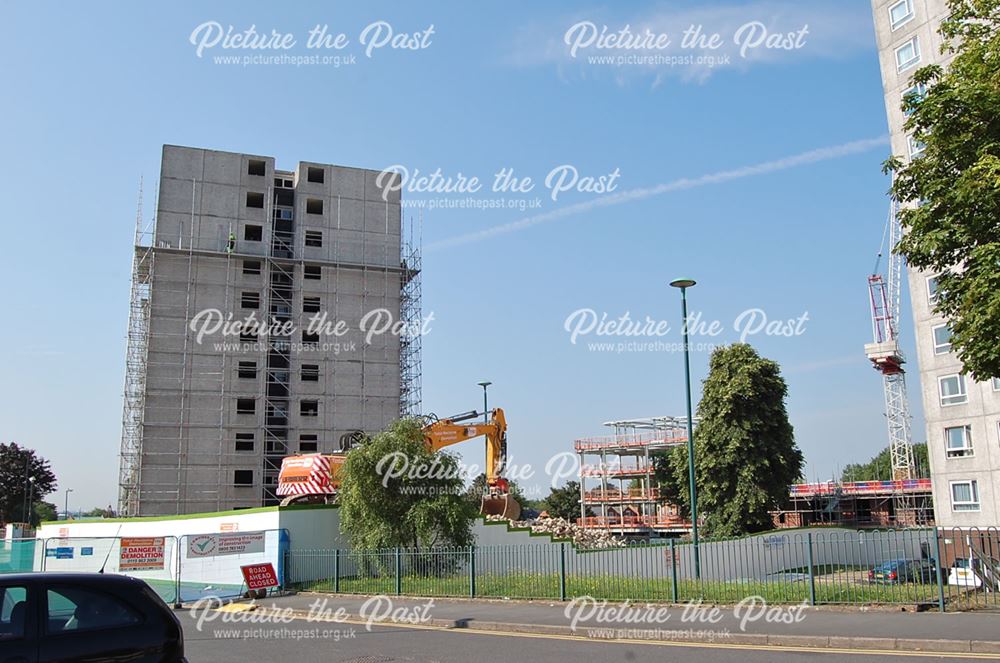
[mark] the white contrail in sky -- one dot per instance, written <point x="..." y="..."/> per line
<point x="805" y="158"/>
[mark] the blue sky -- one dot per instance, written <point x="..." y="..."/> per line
<point x="711" y="184"/>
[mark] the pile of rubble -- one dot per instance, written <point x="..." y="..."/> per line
<point x="561" y="528"/>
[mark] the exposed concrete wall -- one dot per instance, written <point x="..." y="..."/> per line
<point x="982" y="410"/>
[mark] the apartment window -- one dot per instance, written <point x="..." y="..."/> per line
<point x="958" y="441"/>
<point x="965" y="495"/>
<point x="314" y="206"/>
<point x="310" y="304"/>
<point x="932" y="290"/>
<point x="246" y="405"/>
<point x="314" y="238"/>
<point x="248" y="369"/>
<point x="308" y="443"/>
<point x="309" y="408"/>
<point x="255" y="199"/>
<point x="913" y="96"/>
<point x="917" y="147"/>
<point x="310" y="339"/>
<point x="901" y="13"/>
<point x="244" y="442"/>
<point x="256" y="167"/>
<point x="996" y="384"/>
<point x="310" y="372"/>
<point x="242" y="477"/>
<point x="312" y="272"/>
<point x="942" y="339"/>
<point x="907" y="55"/>
<point x="315" y="175"/>
<point x="253" y="233"/>
<point x="250" y="300"/>
<point x="251" y="267"/>
<point x="952" y="390"/>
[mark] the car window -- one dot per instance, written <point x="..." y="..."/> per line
<point x="13" y="607"/>
<point x="78" y="609"/>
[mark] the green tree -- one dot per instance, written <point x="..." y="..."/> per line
<point x="394" y="492"/>
<point x="745" y="451"/>
<point x="21" y="467"/>
<point x="45" y="512"/>
<point x="879" y="468"/>
<point x="951" y="216"/>
<point x="564" y="502"/>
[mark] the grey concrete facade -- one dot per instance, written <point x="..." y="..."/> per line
<point x="236" y="235"/>
<point x="907" y="35"/>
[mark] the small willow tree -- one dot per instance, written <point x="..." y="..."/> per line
<point x="395" y="493"/>
<point x="745" y="451"/>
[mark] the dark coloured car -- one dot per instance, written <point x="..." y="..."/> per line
<point x="899" y="571"/>
<point x="48" y="617"/>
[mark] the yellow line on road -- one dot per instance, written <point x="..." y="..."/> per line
<point x="677" y="643"/>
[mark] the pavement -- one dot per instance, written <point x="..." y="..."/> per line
<point x="302" y="642"/>
<point x="750" y="626"/>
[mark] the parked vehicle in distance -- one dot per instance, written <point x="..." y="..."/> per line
<point x="898" y="571"/>
<point x="975" y="573"/>
<point x="85" y="617"/>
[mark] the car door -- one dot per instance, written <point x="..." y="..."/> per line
<point x="18" y="625"/>
<point x="84" y="623"/>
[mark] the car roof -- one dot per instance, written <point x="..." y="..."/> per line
<point x="68" y="578"/>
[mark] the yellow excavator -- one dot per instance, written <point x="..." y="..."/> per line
<point x="315" y="477"/>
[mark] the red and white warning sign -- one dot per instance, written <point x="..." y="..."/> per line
<point x="259" y="576"/>
<point x="141" y="554"/>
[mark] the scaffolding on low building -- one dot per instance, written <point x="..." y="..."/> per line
<point x="626" y="501"/>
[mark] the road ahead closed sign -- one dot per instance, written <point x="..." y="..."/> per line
<point x="259" y="576"/>
<point x="141" y="554"/>
<point x="225" y="543"/>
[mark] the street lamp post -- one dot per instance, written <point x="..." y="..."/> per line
<point x="683" y="285"/>
<point x="31" y="501"/>
<point x="486" y="417"/>
<point x="66" y="504"/>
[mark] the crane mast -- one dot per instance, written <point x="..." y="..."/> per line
<point x="887" y="358"/>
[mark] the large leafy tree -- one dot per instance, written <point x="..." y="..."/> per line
<point x="21" y="467"/>
<point x="745" y="451"/>
<point x="564" y="502"/>
<point x="394" y="492"/>
<point x="879" y="468"/>
<point x="951" y="192"/>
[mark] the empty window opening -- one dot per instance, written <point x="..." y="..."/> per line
<point x="255" y="199"/>
<point x="315" y="175"/>
<point x="246" y="405"/>
<point x="312" y="272"/>
<point x="256" y="167"/>
<point x="242" y="477"/>
<point x="250" y="300"/>
<point x="310" y="372"/>
<point x="253" y="233"/>
<point x="251" y="267"/>
<point x="308" y="443"/>
<point x="310" y="304"/>
<point x="248" y="369"/>
<point x="314" y="238"/>
<point x="314" y="206"/>
<point x="309" y="408"/>
<point x="244" y="442"/>
<point x="310" y="339"/>
<point x="247" y="336"/>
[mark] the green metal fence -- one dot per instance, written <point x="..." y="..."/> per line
<point x="912" y="567"/>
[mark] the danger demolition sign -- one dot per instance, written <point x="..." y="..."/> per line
<point x="259" y="576"/>
<point x="141" y="554"/>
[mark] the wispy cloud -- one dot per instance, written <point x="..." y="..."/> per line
<point x="684" y="183"/>
<point x="836" y="29"/>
